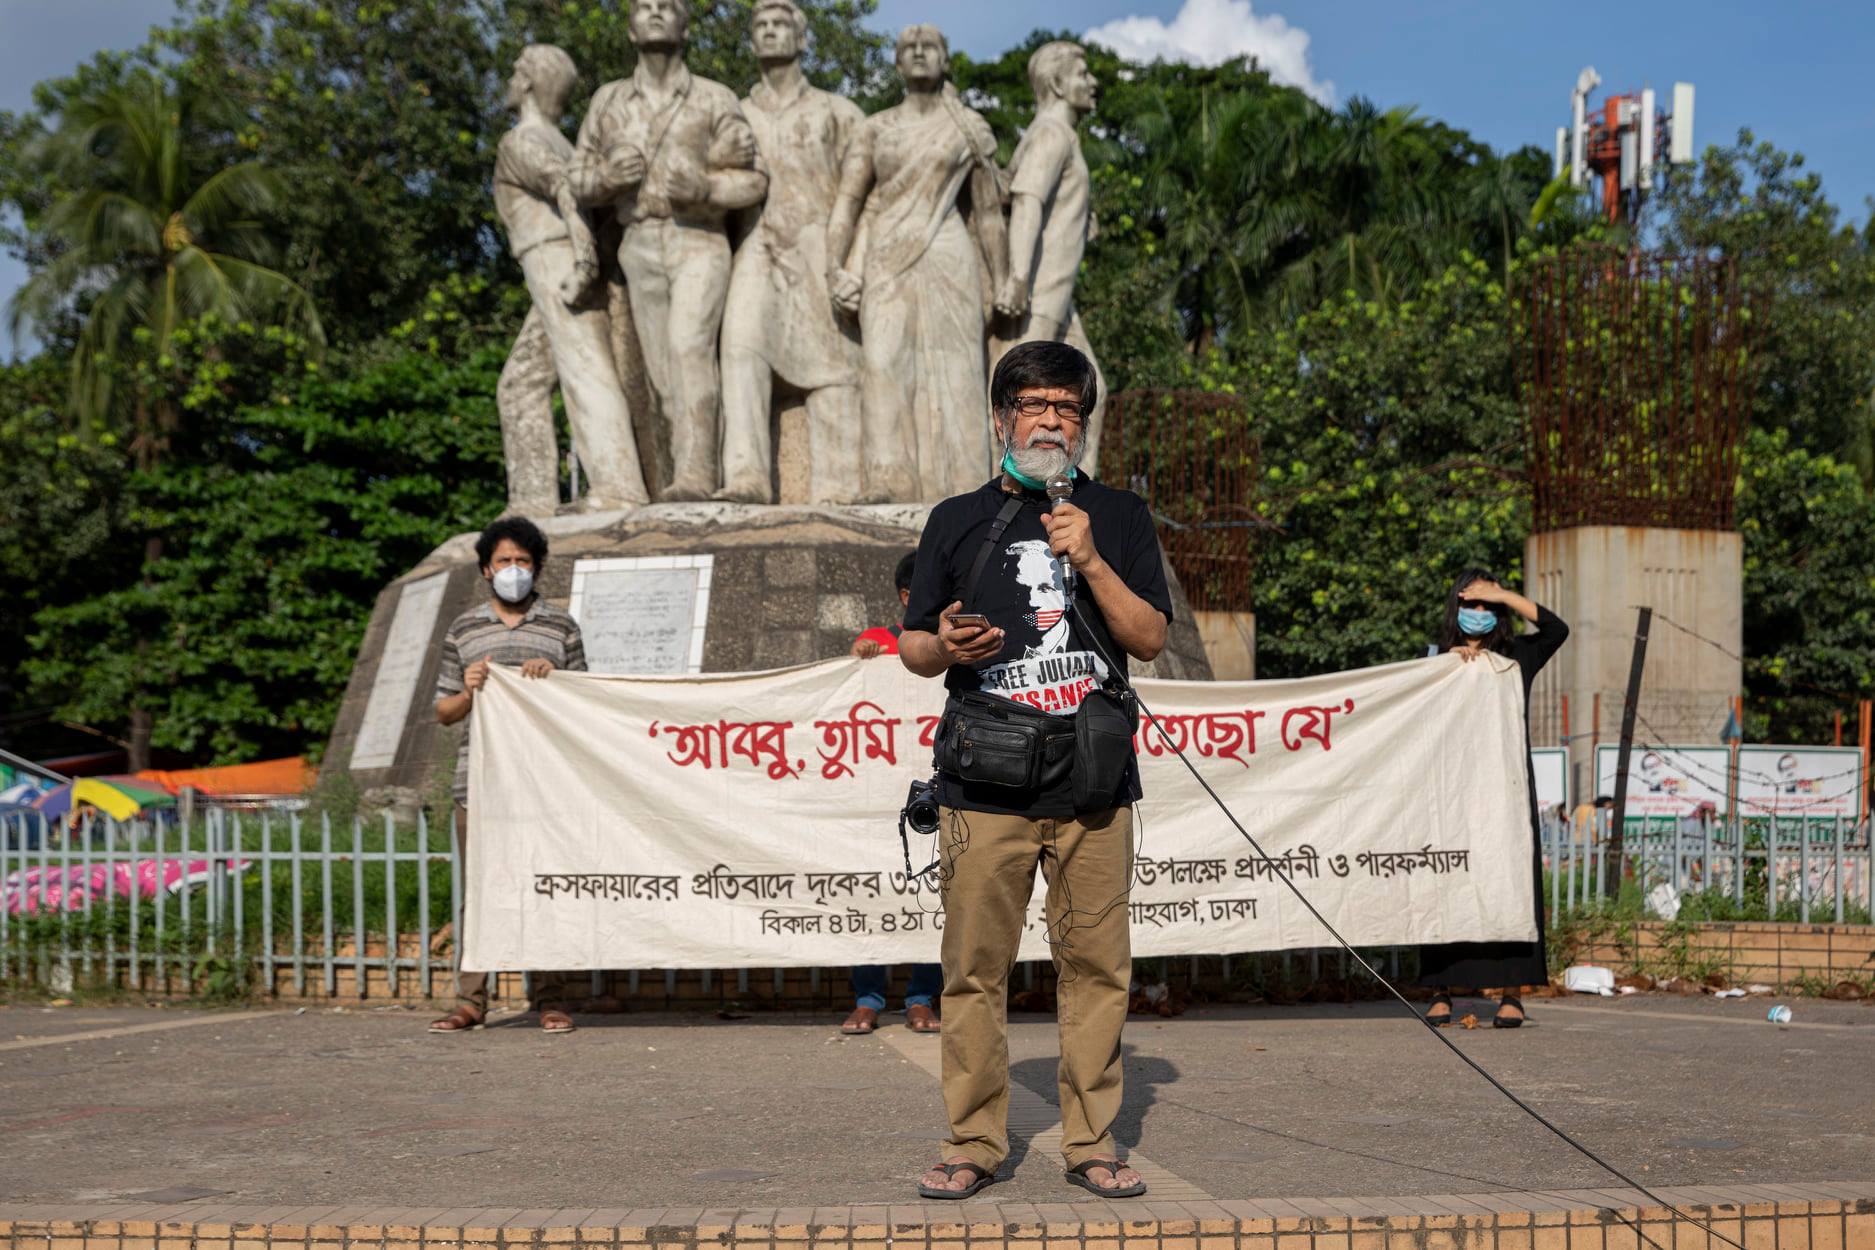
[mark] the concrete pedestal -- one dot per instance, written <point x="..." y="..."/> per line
<point x="788" y="585"/>
<point x="1596" y="578"/>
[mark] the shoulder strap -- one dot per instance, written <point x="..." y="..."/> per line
<point x="1011" y="506"/>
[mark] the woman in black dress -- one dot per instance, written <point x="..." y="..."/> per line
<point x="1478" y="618"/>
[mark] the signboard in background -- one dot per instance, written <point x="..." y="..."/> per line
<point x="1818" y="782"/>
<point x="1551" y="765"/>
<point x="642" y="614"/>
<point x="400" y="666"/>
<point x="1666" y="780"/>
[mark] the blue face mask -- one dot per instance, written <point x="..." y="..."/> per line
<point x="1476" y="622"/>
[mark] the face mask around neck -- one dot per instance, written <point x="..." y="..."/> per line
<point x="1024" y="480"/>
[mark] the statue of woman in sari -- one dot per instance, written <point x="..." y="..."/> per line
<point x="920" y="189"/>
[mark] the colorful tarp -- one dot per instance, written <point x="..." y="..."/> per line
<point x="59" y="889"/>
<point x="118" y="797"/>
<point x="283" y="776"/>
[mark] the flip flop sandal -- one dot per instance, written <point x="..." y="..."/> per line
<point x="950" y="1170"/>
<point x="461" y="1020"/>
<point x="1499" y="1022"/>
<point x="862" y="1022"/>
<point x="556" y="1022"/>
<point x="1440" y="1022"/>
<point x="1078" y="1176"/>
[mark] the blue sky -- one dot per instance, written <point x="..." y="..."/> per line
<point x="1799" y="74"/>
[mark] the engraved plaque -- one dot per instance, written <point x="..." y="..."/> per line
<point x="642" y="614"/>
<point x="399" y="668"/>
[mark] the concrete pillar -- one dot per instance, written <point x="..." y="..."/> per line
<point x="1230" y="643"/>
<point x="1595" y="577"/>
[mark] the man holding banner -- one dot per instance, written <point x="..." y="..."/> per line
<point x="1050" y="586"/>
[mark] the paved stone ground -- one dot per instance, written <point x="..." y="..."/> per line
<point x="364" y="1106"/>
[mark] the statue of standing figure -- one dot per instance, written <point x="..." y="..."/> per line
<point x="924" y="175"/>
<point x="878" y="274"/>
<point x="564" y="336"/>
<point x="671" y="154"/>
<point x="780" y="322"/>
<point x="1051" y="217"/>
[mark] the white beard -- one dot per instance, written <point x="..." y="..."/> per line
<point x="1042" y="461"/>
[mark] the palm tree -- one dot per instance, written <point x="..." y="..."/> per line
<point x="1381" y="206"/>
<point x="1221" y="181"/>
<point x="145" y="242"/>
<point x="1498" y="200"/>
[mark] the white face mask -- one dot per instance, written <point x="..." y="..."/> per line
<point x="514" y="583"/>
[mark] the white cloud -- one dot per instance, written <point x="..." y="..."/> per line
<point x="1210" y="32"/>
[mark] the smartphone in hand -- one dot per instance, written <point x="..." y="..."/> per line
<point x="964" y="620"/>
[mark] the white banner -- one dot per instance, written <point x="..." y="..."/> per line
<point x="1811" y="782"/>
<point x="750" y="820"/>
<point x="1550" y="766"/>
<point x="1665" y="780"/>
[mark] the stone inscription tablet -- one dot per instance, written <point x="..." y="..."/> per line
<point x="642" y="614"/>
<point x="406" y="649"/>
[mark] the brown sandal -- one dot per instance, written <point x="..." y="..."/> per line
<point x="863" y="1021"/>
<point x="553" y="1020"/>
<point x="461" y="1020"/>
<point x="921" y="1019"/>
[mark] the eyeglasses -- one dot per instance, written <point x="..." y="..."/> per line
<point x="1035" y="406"/>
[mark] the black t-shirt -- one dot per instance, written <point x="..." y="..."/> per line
<point x="1045" y="662"/>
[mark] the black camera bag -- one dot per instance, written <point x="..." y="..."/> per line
<point x="1104" y="725"/>
<point x="989" y="740"/>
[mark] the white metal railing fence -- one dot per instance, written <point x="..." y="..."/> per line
<point x="1806" y="869"/>
<point x="312" y="904"/>
<point x="141" y="902"/>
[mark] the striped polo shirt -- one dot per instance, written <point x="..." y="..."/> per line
<point x="546" y="632"/>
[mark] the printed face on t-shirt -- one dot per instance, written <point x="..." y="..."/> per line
<point x="1039" y="573"/>
<point x="1046" y="675"/>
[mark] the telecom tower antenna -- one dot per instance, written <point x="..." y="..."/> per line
<point x="1614" y="149"/>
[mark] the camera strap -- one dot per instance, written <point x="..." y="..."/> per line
<point x="1011" y="506"/>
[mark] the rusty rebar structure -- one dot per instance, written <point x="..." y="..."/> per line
<point x="1634" y="385"/>
<point x="1191" y="455"/>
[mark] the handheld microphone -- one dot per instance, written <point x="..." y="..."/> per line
<point x="1059" y="487"/>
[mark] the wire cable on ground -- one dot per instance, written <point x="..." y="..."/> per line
<point x="1373" y="972"/>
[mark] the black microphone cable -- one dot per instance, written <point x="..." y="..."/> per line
<point x="1373" y="972"/>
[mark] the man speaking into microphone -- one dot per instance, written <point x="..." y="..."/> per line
<point x="1030" y="607"/>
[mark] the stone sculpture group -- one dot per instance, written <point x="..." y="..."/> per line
<point x="873" y="266"/>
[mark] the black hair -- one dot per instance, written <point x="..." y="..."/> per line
<point x="901" y="576"/>
<point x="1042" y="363"/>
<point x="1450" y="635"/>
<point x="518" y="530"/>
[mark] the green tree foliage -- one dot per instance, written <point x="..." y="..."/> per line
<point x="1390" y="444"/>
<point x="311" y="491"/>
<point x="147" y="236"/>
<point x="61" y="520"/>
<point x="383" y="116"/>
<point x="1812" y="285"/>
<point x="1239" y="203"/>
<point x="1809" y="531"/>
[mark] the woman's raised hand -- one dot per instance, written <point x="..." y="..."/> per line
<point x="1486" y="591"/>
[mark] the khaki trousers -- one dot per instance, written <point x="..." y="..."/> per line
<point x="549" y="988"/>
<point x="987" y="874"/>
